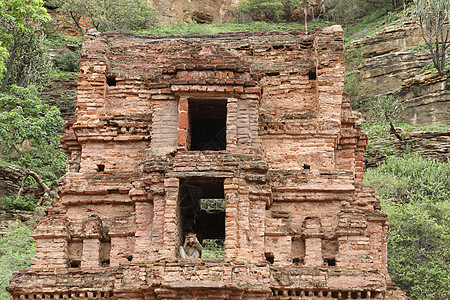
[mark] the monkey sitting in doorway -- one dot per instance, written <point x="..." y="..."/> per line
<point x="192" y="247"/>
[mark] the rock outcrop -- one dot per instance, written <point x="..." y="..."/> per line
<point x="201" y="11"/>
<point x="430" y="144"/>
<point x="389" y="68"/>
<point x="255" y="119"/>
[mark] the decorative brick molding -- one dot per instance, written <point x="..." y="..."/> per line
<point x="255" y="120"/>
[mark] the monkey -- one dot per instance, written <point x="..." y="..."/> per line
<point x="192" y="247"/>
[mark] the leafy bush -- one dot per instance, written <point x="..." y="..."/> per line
<point x="259" y="10"/>
<point x="415" y="194"/>
<point x="267" y="10"/>
<point x="69" y="62"/>
<point x="431" y="68"/>
<point x="29" y="134"/>
<point x="418" y="248"/>
<point x="213" y="248"/>
<point x="25" y="202"/>
<point x="17" y="248"/>
<point x="108" y="15"/>
<point x="423" y="180"/>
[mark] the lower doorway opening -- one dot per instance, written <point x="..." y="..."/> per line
<point x="202" y="211"/>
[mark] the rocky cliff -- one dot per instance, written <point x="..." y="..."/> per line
<point x="202" y="11"/>
<point x="392" y="67"/>
<point x="429" y="144"/>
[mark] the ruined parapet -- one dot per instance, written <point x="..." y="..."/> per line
<point x="256" y="124"/>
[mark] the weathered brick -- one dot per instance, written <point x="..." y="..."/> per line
<point x="298" y="222"/>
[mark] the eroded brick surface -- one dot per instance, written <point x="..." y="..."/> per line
<point x="256" y="119"/>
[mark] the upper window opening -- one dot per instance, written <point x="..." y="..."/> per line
<point x="207" y="124"/>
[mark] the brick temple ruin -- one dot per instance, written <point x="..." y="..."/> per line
<point x="256" y="120"/>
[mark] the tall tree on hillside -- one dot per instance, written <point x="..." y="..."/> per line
<point x="107" y="15"/>
<point x="29" y="136"/>
<point x="433" y="17"/>
<point x="22" y="55"/>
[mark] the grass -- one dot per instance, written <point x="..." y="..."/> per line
<point x="59" y="40"/>
<point x="195" y="28"/>
<point x="371" y="24"/>
<point x="381" y="129"/>
<point x="431" y="68"/>
<point x="62" y="74"/>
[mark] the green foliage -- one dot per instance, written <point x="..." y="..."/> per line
<point x="20" y="21"/>
<point x="418" y="247"/>
<point x="357" y="11"/>
<point x="60" y="40"/>
<point x="433" y="17"/>
<point x="29" y="132"/>
<point x="414" y="192"/>
<point x="374" y="129"/>
<point x="262" y="9"/>
<point x="432" y="68"/>
<point x="213" y="248"/>
<point x="29" y="61"/>
<point x="195" y="28"/>
<point x="108" y="15"/>
<point x="422" y="47"/>
<point x="354" y="86"/>
<point x="69" y="62"/>
<point x="384" y="109"/>
<point x="363" y="24"/>
<point x="17" y="248"/>
<point x="423" y="180"/>
<point x="25" y="202"/>
<point x="211" y="204"/>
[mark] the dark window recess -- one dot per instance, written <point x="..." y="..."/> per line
<point x="105" y="263"/>
<point x="331" y="262"/>
<point x="111" y="80"/>
<point x="202" y="211"/>
<point x="208" y="124"/>
<point x="306" y="167"/>
<point x="312" y="74"/>
<point x="75" y="263"/>
<point x="100" y="168"/>
<point x="270" y="257"/>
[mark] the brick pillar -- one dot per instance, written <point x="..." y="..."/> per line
<point x="231" y="124"/>
<point x="183" y="123"/>
<point x="91" y="253"/>
<point x="51" y="235"/>
<point x="92" y="231"/>
<point x="230" y="189"/>
<point x="143" y="207"/>
<point x="353" y="240"/>
<point x="312" y="231"/>
<point x="171" y="217"/>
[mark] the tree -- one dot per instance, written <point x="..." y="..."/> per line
<point x="20" y="21"/>
<point x="108" y="15"/>
<point x="433" y="17"/>
<point x="29" y="136"/>
<point x="386" y="109"/>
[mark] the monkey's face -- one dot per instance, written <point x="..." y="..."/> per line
<point x="191" y="238"/>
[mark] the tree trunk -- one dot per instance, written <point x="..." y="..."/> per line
<point x="42" y="184"/>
